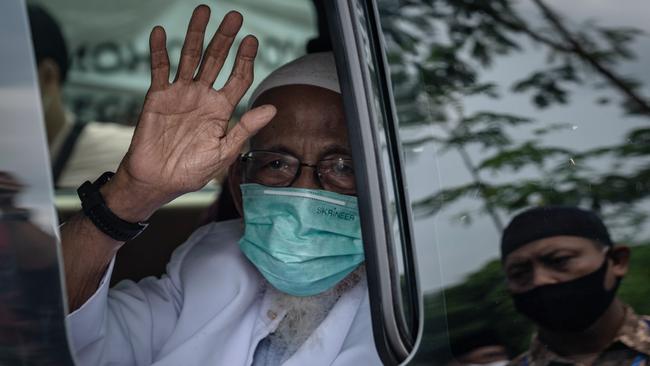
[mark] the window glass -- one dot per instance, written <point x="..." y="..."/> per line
<point x="504" y="106"/>
<point x="32" y="329"/>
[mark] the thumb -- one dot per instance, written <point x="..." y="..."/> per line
<point x="249" y="124"/>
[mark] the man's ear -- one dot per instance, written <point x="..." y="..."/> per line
<point x="620" y="255"/>
<point x="234" y="180"/>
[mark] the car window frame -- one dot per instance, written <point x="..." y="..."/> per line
<point x="394" y="341"/>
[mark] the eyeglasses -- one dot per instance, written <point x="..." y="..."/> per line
<point x="276" y="169"/>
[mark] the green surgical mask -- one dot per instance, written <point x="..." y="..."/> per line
<point x="303" y="241"/>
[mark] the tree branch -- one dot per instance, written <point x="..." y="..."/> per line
<point x="473" y="170"/>
<point x="520" y="26"/>
<point x="577" y="48"/>
<point x="469" y="164"/>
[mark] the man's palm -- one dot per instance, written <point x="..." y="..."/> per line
<point x="181" y="140"/>
<point x="182" y="128"/>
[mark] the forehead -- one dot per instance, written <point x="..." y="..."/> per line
<point x="552" y="244"/>
<point x="305" y="115"/>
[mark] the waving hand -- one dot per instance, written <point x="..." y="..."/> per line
<point x="181" y="140"/>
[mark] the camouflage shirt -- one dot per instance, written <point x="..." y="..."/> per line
<point x="630" y="347"/>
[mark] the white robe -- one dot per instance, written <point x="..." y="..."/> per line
<point x="209" y="309"/>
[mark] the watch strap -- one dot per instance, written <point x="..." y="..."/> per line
<point x="95" y="208"/>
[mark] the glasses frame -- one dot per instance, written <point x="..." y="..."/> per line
<point x="316" y="167"/>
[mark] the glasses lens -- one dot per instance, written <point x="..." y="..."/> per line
<point x="269" y="168"/>
<point x="337" y="174"/>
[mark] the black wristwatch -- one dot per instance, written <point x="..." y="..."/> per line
<point x="94" y="207"/>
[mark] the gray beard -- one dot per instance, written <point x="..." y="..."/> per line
<point x="304" y="314"/>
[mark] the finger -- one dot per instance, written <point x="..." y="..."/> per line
<point x="249" y="124"/>
<point x="159" y="59"/>
<point x="217" y="52"/>
<point x="241" y="75"/>
<point x="193" y="45"/>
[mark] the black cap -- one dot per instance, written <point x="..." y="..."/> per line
<point x="546" y="221"/>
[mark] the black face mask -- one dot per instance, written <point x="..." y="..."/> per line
<point x="570" y="306"/>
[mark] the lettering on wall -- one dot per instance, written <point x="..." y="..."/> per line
<point x="108" y="80"/>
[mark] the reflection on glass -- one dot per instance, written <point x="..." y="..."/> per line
<point x="563" y="272"/>
<point x="81" y="149"/>
<point x="31" y="311"/>
<point x="32" y="329"/>
<point x="523" y="104"/>
<point x="479" y="347"/>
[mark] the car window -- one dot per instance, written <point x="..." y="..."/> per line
<point x="504" y="106"/>
<point x="32" y="328"/>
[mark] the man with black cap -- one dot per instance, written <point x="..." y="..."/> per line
<point x="563" y="271"/>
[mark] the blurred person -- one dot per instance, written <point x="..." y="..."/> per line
<point x="278" y="287"/>
<point x="79" y="150"/>
<point x="479" y="348"/>
<point x="563" y="272"/>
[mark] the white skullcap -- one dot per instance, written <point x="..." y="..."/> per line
<point x="317" y="69"/>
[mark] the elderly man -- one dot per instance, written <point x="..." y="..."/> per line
<point x="286" y="285"/>
<point x="563" y="271"/>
